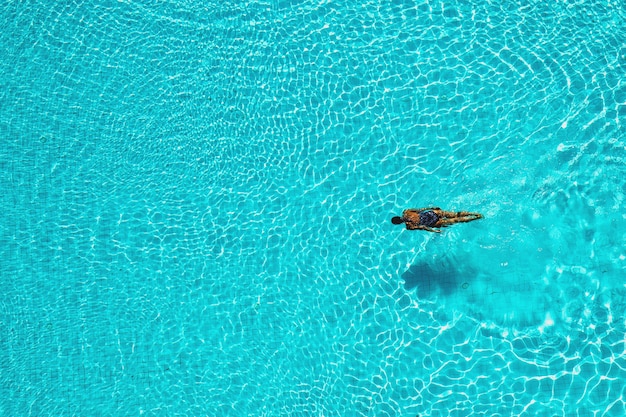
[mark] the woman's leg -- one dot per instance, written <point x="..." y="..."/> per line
<point x="451" y="217"/>
<point x="455" y="214"/>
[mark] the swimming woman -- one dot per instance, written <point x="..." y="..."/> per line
<point x="433" y="217"/>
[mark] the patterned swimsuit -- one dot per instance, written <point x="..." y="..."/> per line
<point x="428" y="218"/>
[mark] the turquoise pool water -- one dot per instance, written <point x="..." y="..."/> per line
<point x="197" y="200"/>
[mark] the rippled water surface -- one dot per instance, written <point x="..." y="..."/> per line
<point x="197" y="200"/>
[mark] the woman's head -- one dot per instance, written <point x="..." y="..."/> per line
<point x="397" y="220"/>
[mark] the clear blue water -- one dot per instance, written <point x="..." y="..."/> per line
<point x="196" y="201"/>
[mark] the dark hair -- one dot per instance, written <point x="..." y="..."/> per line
<point x="397" y="220"/>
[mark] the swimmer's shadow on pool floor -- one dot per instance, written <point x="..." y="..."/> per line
<point x="430" y="278"/>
